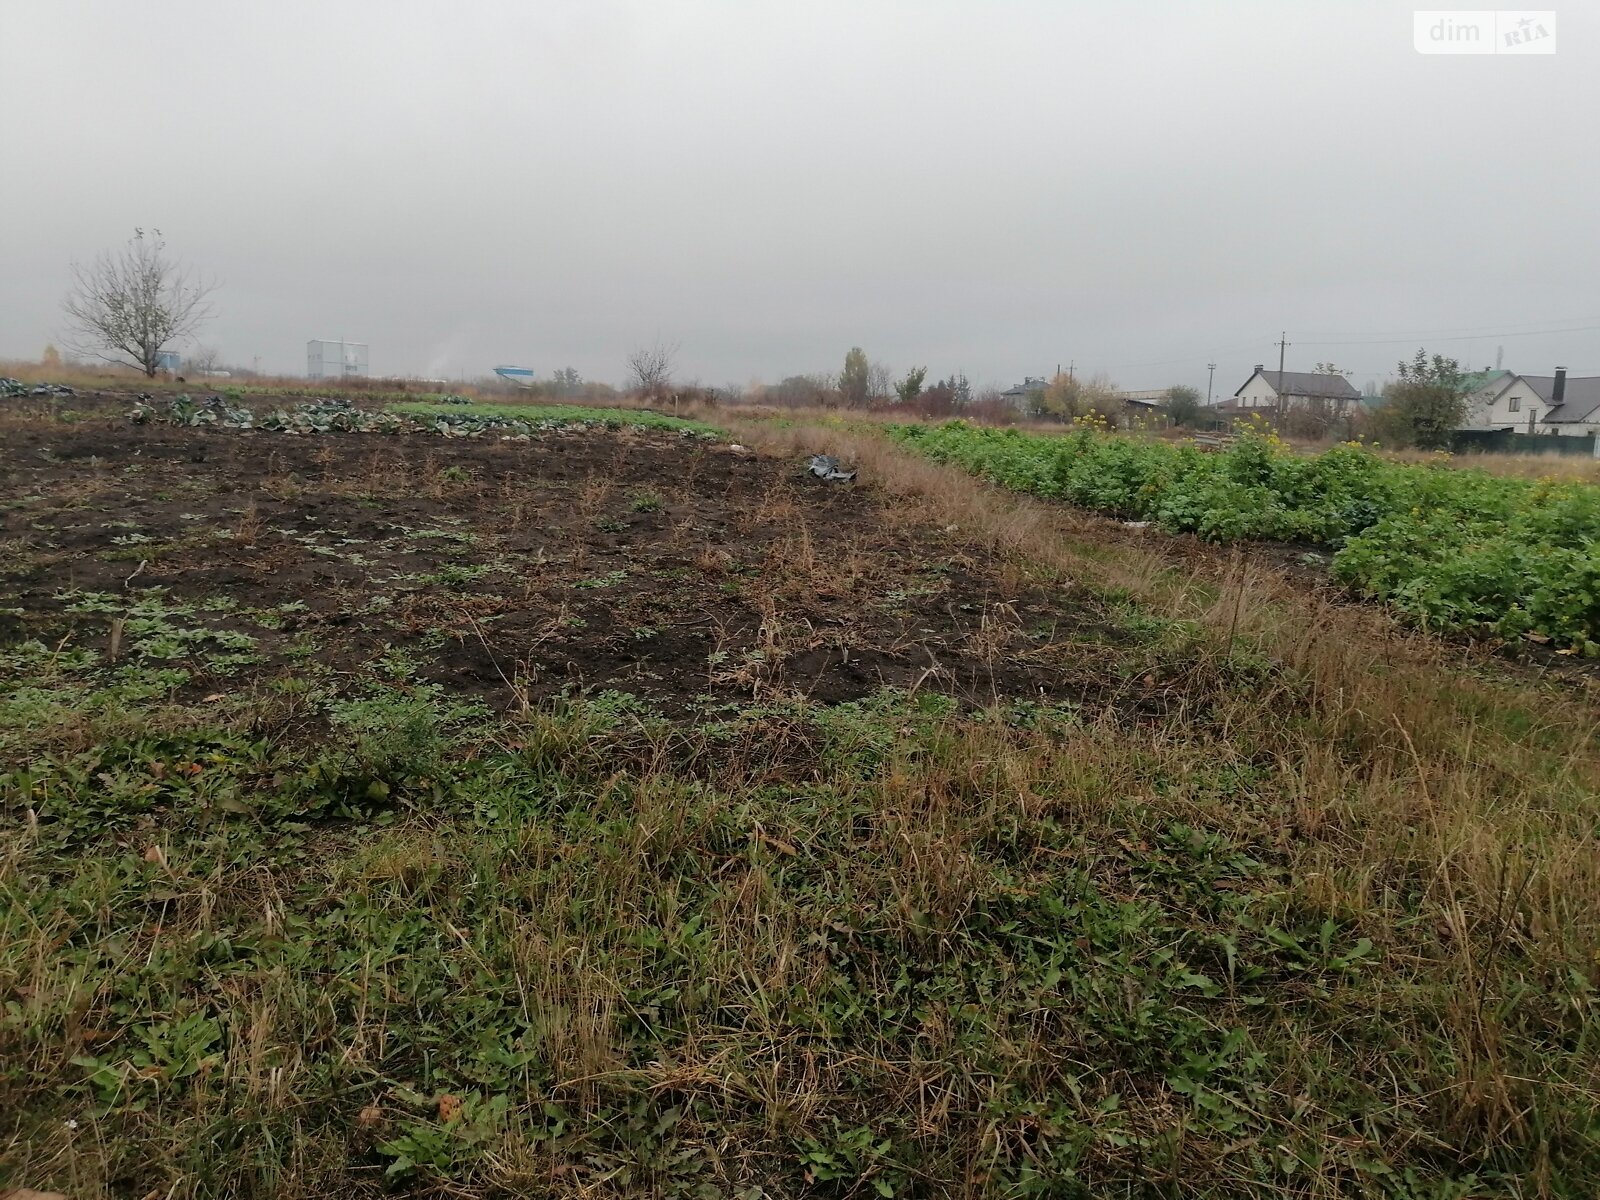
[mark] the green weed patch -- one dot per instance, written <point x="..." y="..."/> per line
<point x="577" y="946"/>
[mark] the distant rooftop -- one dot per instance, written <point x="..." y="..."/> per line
<point x="1581" y="401"/>
<point x="1305" y="383"/>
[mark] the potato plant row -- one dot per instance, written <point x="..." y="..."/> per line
<point x="1453" y="550"/>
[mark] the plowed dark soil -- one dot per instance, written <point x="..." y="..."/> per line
<point x="658" y="564"/>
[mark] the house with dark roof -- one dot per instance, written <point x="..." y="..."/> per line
<point x="1537" y="404"/>
<point x="1280" y="391"/>
<point x="1574" y="403"/>
<point x="1024" y="397"/>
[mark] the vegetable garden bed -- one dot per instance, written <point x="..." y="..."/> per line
<point x="1454" y="550"/>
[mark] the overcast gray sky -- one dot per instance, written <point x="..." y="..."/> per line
<point x="993" y="186"/>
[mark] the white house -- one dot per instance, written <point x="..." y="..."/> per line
<point x="1485" y="399"/>
<point x="1536" y="404"/>
<point x="1279" y="391"/>
<point x="1574" y="403"/>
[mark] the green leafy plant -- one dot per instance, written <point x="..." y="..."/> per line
<point x="1450" y="549"/>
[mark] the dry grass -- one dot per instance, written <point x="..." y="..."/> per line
<point x="1442" y="778"/>
<point x="1570" y="468"/>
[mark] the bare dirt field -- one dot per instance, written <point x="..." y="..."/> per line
<point x="659" y="564"/>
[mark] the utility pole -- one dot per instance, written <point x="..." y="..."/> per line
<point x="1070" y="366"/>
<point x="1283" y="344"/>
<point x="1211" y="373"/>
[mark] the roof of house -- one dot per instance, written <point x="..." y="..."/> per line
<point x="1581" y="401"/>
<point x="1028" y="386"/>
<point x="1305" y="383"/>
<point x="1491" y="379"/>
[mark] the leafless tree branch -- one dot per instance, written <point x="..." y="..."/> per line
<point x="651" y="367"/>
<point x="130" y="304"/>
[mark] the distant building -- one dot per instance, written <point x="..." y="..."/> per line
<point x="521" y="377"/>
<point x="1280" y="391"/>
<point x="1554" y="404"/>
<point x="1574" y="403"/>
<point x="1485" y="399"/>
<point x="1024" y="397"/>
<point x="326" y="359"/>
<point x="1149" y="399"/>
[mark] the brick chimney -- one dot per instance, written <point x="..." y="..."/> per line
<point x="1558" y="392"/>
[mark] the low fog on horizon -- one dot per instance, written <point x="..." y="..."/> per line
<point x="996" y="188"/>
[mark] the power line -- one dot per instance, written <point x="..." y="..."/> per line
<point x="1386" y="339"/>
<point x="1460" y="337"/>
<point x="1253" y="345"/>
<point x="1463" y="330"/>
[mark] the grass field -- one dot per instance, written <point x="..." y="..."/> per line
<point x="615" y="813"/>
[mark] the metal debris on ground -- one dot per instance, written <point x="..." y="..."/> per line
<point x="826" y="467"/>
<point x="10" y="388"/>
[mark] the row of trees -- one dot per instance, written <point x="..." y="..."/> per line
<point x="863" y="383"/>
<point x="1422" y="408"/>
<point x="1065" y="397"/>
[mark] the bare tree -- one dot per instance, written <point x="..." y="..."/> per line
<point x="202" y="360"/>
<point x="880" y="381"/>
<point x="651" y="367"/>
<point x="130" y="304"/>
